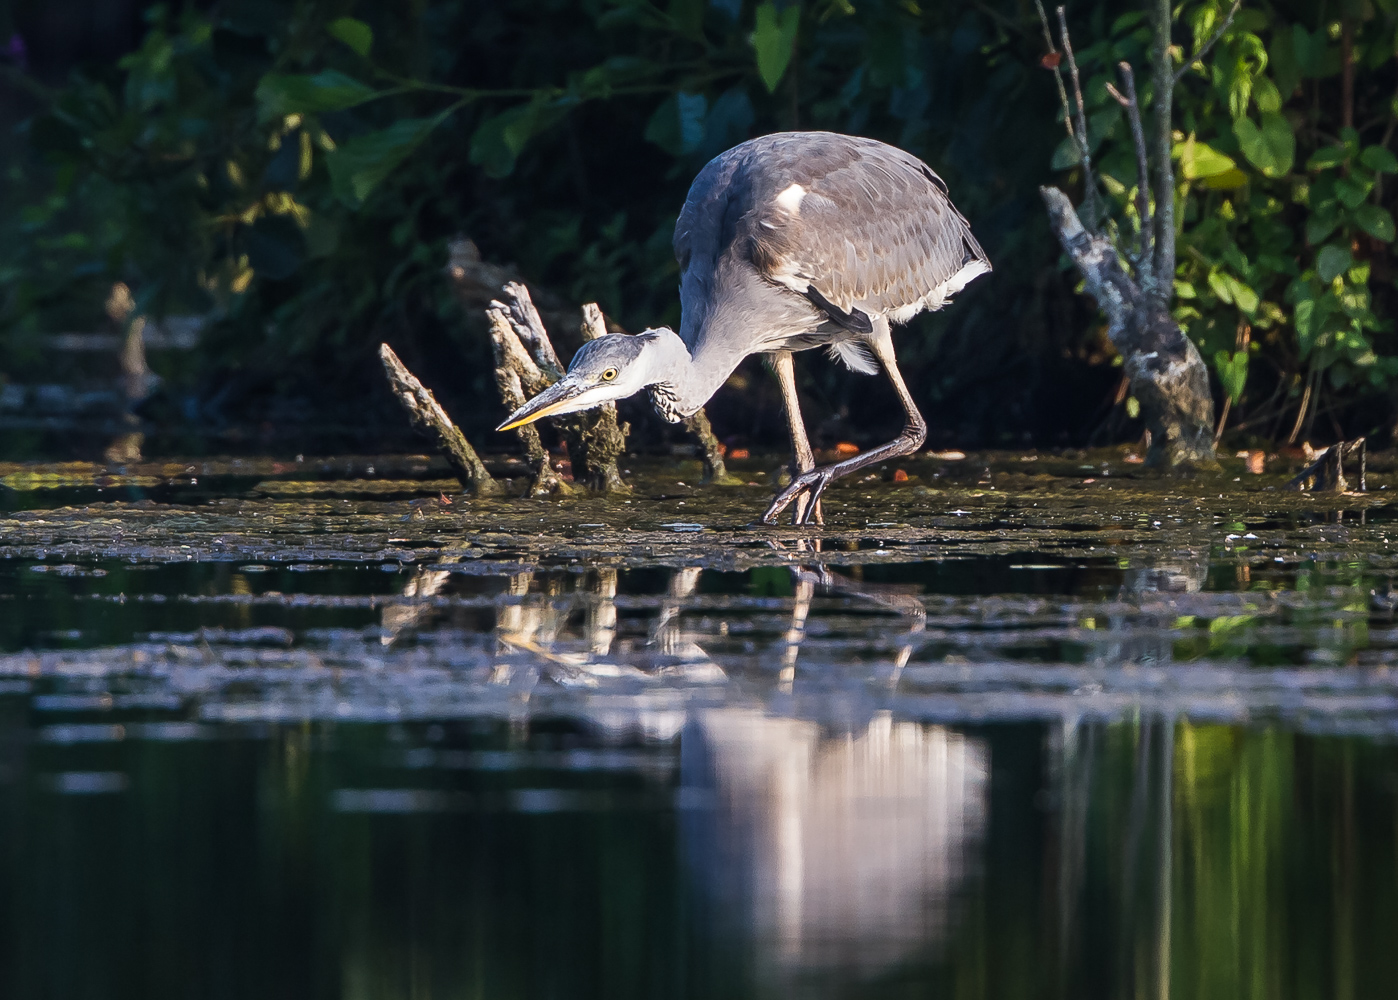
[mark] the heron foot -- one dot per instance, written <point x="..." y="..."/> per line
<point x="812" y="484"/>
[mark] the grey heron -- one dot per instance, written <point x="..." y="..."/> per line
<point x="787" y="242"/>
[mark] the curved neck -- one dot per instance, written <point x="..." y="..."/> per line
<point x="691" y="379"/>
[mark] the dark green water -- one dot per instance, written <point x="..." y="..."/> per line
<point x="1012" y="737"/>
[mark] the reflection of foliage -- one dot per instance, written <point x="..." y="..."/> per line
<point x="1282" y="154"/>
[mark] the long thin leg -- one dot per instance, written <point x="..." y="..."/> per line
<point x="914" y="432"/>
<point x="802" y="455"/>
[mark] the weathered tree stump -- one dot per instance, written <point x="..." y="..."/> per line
<point x="518" y="377"/>
<point x="428" y="418"/>
<point x="1327" y="472"/>
<point x="476" y="284"/>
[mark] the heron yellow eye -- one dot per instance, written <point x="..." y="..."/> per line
<point x="609" y="374"/>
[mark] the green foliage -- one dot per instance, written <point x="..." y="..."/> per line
<point x="295" y="178"/>
<point x="1285" y="221"/>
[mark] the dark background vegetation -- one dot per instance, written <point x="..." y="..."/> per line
<point x="222" y="160"/>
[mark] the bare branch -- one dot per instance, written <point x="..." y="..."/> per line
<point x="1051" y="59"/>
<point x="1089" y="184"/>
<point x="1213" y="40"/>
<point x="1163" y="84"/>
<point x="1144" y="262"/>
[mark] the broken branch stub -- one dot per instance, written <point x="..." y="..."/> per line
<point x="596" y="440"/>
<point x="476" y="283"/>
<point x="517" y="378"/>
<point x="1167" y="373"/>
<point x="428" y="418"/>
<point x="1327" y="472"/>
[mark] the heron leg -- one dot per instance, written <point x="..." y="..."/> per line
<point x="812" y="484"/>
<point x="803" y="457"/>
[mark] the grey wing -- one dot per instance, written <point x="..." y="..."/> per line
<point x="873" y="231"/>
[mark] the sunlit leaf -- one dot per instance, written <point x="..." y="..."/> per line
<point x="353" y="32"/>
<point x="1271" y="148"/>
<point x="774" y="38"/>
<point x="1232" y="372"/>
<point x="359" y="165"/>
<point x="1326" y="157"/>
<point x="281" y="94"/>
<point x="1199" y="160"/>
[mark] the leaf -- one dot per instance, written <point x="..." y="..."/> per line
<point x="498" y="140"/>
<point x="1066" y="154"/>
<point x="1375" y="221"/>
<point x="1380" y="160"/>
<point x="1332" y="261"/>
<point x="1320" y="224"/>
<point x="1133" y="407"/>
<point x="354" y="33"/>
<point x="360" y="164"/>
<point x="678" y="124"/>
<point x="1199" y="160"/>
<point x="1266" y="95"/>
<point x="1232" y="372"/>
<point x="1352" y="191"/>
<point x="774" y="38"/>
<point x="1327" y="157"/>
<point x="1234" y="292"/>
<point x="1225" y="181"/>
<point x="1270" y="148"/>
<point x="282" y="94"/>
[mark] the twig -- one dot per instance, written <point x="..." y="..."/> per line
<point x="1305" y="402"/>
<point x="1089" y="185"/>
<point x="1213" y="40"/>
<point x="428" y="417"/>
<point x="1144" y="271"/>
<point x="1052" y="57"/>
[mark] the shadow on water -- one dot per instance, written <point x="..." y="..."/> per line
<point x="1007" y="736"/>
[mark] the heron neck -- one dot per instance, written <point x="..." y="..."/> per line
<point x="690" y="376"/>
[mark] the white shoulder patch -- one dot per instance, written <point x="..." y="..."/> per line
<point x="790" y="199"/>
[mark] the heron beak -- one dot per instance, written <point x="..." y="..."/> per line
<point x="555" y="399"/>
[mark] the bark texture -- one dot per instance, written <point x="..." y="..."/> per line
<point x="477" y="283"/>
<point x="428" y="418"/>
<point x="1167" y="373"/>
<point x="1327" y="472"/>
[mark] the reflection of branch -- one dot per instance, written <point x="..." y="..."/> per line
<point x="1133" y="113"/>
<point x="1213" y="39"/>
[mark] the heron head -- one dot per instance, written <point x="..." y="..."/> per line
<point x="611" y="367"/>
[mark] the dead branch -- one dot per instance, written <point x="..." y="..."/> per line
<point x="1145" y="248"/>
<point x="1327" y="472"/>
<point x="517" y="378"/>
<point x="1051" y="61"/>
<point x="595" y="439"/>
<point x="427" y="417"/>
<point x="1166" y="371"/>
<point x="1213" y="40"/>
<point x="477" y="283"/>
<point x="529" y="328"/>
<point x="1084" y="151"/>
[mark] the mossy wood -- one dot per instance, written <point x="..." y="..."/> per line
<point x="428" y="417"/>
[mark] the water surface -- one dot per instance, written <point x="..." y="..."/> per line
<point x="1009" y="728"/>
